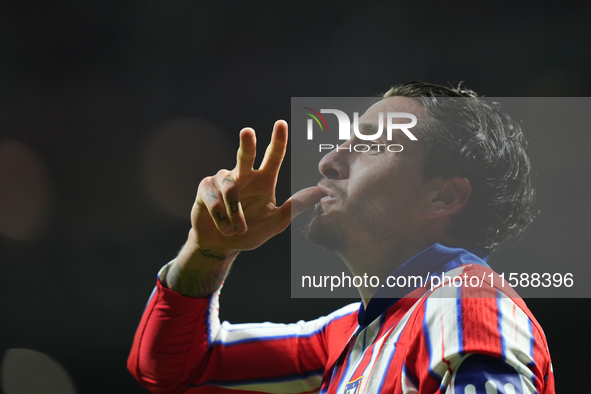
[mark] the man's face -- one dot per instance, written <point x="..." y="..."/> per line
<point x="375" y="198"/>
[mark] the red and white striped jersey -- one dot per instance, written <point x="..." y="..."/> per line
<point x="449" y="339"/>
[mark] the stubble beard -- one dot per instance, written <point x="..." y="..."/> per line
<point x="330" y="235"/>
<point x="327" y="235"/>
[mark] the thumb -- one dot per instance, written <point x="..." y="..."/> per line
<point x="298" y="203"/>
<point x="305" y="199"/>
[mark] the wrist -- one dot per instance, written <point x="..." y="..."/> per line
<point x="197" y="257"/>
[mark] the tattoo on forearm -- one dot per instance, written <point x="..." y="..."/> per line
<point x="211" y="196"/>
<point x="233" y="206"/>
<point x="195" y="284"/>
<point x="208" y="254"/>
<point x="220" y="217"/>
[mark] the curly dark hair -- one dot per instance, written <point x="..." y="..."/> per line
<point x="468" y="137"/>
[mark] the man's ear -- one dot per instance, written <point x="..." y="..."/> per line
<point x="448" y="196"/>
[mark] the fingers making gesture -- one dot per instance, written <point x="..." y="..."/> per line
<point x="236" y="210"/>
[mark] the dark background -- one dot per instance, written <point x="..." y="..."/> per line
<point x="111" y="113"/>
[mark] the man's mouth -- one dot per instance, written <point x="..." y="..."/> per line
<point x="329" y="196"/>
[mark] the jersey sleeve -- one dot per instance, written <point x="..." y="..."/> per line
<point x="181" y="346"/>
<point x="477" y="340"/>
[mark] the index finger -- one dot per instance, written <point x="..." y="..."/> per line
<point x="276" y="150"/>
<point x="246" y="152"/>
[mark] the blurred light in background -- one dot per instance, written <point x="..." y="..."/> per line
<point x="26" y="371"/>
<point x="25" y="191"/>
<point x="178" y="155"/>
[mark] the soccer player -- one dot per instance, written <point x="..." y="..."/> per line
<point x="440" y="206"/>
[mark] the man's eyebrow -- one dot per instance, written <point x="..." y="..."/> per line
<point x="368" y="128"/>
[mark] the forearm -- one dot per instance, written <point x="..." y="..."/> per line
<point x="198" y="271"/>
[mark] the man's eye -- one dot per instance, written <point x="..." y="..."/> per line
<point x="376" y="147"/>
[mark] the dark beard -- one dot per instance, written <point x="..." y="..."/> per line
<point x="330" y="237"/>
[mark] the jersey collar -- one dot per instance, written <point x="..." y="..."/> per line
<point x="430" y="262"/>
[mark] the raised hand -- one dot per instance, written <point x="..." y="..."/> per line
<point x="236" y="210"/>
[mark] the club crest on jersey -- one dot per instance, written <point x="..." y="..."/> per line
<point x="353" y="386"/>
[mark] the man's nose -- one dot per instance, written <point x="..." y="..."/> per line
<point x="336" y="164"/>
